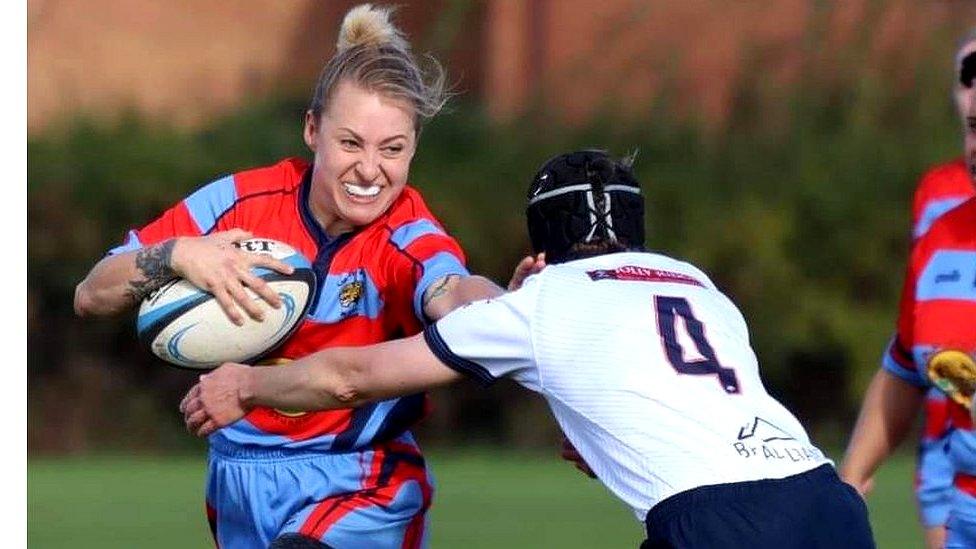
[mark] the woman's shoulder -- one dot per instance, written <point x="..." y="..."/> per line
<point x="285" y="175"/>
<point x="409" y="207"/>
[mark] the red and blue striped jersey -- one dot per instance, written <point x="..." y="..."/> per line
<point x="940" y="189"/>
<point x="938" y="301"/>
<point x="938" y="312"/>
<point x="370" y="286"/>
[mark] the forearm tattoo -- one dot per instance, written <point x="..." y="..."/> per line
<point x="438" y="289"/>
<point x="154" y="264"/>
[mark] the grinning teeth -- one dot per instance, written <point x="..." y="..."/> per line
<point x="356" y="190"/>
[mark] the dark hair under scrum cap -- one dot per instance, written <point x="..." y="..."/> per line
<point x="584" y="197"/>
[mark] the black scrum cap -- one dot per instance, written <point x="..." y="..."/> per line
<point x="584" y="197"/>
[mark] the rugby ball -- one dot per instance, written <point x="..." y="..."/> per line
<point x="186" y="327"/>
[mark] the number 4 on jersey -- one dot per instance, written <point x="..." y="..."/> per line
<point x="668" y="308"/>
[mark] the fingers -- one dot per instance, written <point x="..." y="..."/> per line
<point x="251" y="306"/>
<point x="195" y="420"/>
<point x="521" y="271"/>
<point x="195" y="417"/>
<point x="262" y="289"/>
<point x="540" y="262"/>
<point x="527" y="267"/>
<point x="201" y="425"/>
<point x="226" y="303"/>
<point x="265" y="260"/>
<point x="192" y="394"/>
<point x="207" y="428"/>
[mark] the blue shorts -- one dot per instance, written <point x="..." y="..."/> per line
<point x="811" y="510"/>
<point x="934" y="472"/>
<point x="375" y="498"/>
<point x="961" y="527"/>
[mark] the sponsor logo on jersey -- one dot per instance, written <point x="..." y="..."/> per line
<point x="760" y="439"/>
<point x="642" y="274"/>
<point x="942" y="278"/>
<point x="764" y="430"/>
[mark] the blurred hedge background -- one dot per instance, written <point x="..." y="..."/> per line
<point x="792" y="189"/>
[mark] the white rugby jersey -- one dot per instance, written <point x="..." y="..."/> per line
<point x="647" y="368"/>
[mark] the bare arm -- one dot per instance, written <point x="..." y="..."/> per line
<point x="889" y="408"/>
<point x="118" y="282"/>
<point x="340" y="377"/>
<point x="453" y="291"/>
<point x="213" y="262"/>
<point x="346" y="377"/>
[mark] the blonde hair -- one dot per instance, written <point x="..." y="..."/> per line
<point x="372" y="53"/>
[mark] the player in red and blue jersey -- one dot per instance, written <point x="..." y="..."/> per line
<point x="370" y="287"/>
<point x="940" y="189"/>
<point x="889" y="404"/>
<point x="936" y="315"/>
<point x="384" y="266"/>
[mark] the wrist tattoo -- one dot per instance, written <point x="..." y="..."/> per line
<point x="438" y="289"/>
<point x="155" y="265"/>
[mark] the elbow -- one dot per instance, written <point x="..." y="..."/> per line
<point x="347" y="396"/>
<point x="89" y="302"/>
<point x="84" y="303"/>
<point x="345" y="390"/>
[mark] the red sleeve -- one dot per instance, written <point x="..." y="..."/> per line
<point x="195" y="215"/>
<point x="898" y="358"/>
<point x="421" y="254"/>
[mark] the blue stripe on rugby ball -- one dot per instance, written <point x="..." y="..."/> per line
<point x="173" y="347"/>
<point x="297" y="260"/>
<point x="163" y="315"/>
<point x="149" y="325"/>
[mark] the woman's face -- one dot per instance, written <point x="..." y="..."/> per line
<point x="966" y="105"/>
<point x="363" y="144"/>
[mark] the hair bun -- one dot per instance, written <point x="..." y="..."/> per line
<point x="368" y="25"/>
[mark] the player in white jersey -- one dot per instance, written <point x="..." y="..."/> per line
<point x="645" y="364"/>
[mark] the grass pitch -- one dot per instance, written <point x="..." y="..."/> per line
<point x="484" y="499"/>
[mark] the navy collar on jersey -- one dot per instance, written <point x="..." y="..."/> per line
<point x="326" y="246"/>
<point x="322" y="239"/>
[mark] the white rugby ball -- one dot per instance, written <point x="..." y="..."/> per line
<point x="186" y="327"/>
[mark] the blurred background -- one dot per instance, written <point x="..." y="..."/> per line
<point x="779" y="142"/>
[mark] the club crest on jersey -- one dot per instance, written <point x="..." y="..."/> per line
<point x="350" y="292"/>
<point x="954" y="373"/>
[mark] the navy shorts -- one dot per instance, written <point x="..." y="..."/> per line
<point x="811" y="510"/>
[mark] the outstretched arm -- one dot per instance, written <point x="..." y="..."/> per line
<point x="890" y="405"/>
<point x="341" y="377"/>
<point x="453" y="291"/>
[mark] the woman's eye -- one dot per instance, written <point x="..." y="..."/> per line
<point x="394" y="149"/>
<point x="349" y="143"/>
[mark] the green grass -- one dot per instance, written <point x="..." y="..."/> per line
<point x="484" y="499"/>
